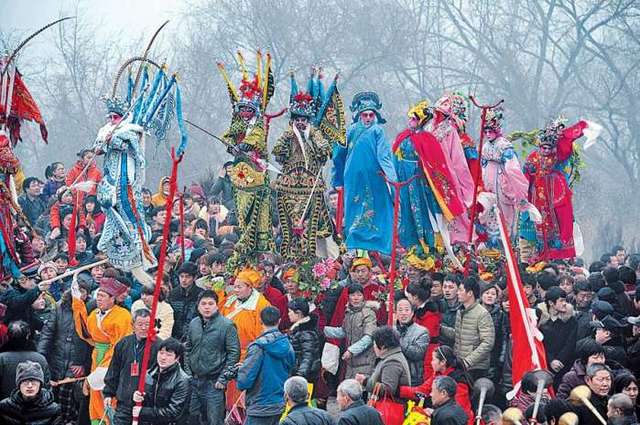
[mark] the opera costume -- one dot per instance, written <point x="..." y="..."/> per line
<point x="368" y="201"/>
<point x="429" y="201"/>
<point x="303" y="150"/>
<point x="246" y="140"/>
<point x="549" y="169"/>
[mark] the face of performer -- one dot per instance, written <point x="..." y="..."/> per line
<point x="356" y="299"/>
<point x="207" y="307"/>
<point x="413" y="123"/>
<point x="247" y="113"/>
<point x="141" y="327"/>
<point x="547" y="150"/>
<point x="449" y="290"/>
<point x="104" y="300"/>
<point x="361" y="274"/>
<point x="492" y="133"/>
<point x="186" y="280"/>
<point x="489" y="297"/>
<point x="242" y="289"/>
<point x="367" y="118"/>
<point x="404" y="311"/>
<point x="166" y="359"/>
<point x="600" y="384"/>
<point x="29" y="388"/>
<point x="114" y="118"/>
<point x="301" y="123"/>
<point x="49" y="273"/>
<point x="290" y="286"/>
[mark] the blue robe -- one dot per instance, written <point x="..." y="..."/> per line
<point x="368" y="202"/>
<point x="416" y="199"/>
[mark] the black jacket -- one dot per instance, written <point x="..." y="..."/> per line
<point x="14" y="353"/>
<point x="42" y="410"/>
<point x="60" y="344"/>
<point x="166" y="397"/>
<point x="360" y="414"/>
<point x="449" y="413"/>
<point x="224" y="190"/>
<point x="118" y="382"/>
<point x="586" y="417"/>
<point x="18" y="301"/>
<point x="306" y="343"/>
<point x="184" y="309"/>
<point x="302" y="414"/>
<point x="495" y="366"/>
<point x="212" y="349"/>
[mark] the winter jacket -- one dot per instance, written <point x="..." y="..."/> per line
<point x="10" y="357"/>
<point x="302" y="414"/>
<point x="498" y="316"/>
<point x="448" y="318"/>
<point x="32" y="208"/>
<point x="572" y="379"/>
<point x="55" y="220"/>
<point x="359" y="413"/>
<point x="60" y="344"/>
<point x="414" y="340"/>
<point x="166" y="397"/>
<point x="392" y="370"/>
<point x="118" y="382"/>
<point x="306" y="343"/>
<point x="586" y="417"/>
<point x="18" y="301"/>
<point x="449" y="414"/>
<point x="42" y="410"/>
<point x="559" y="332"/>
<point x="357" y="328"/>
<point x="92" y="173"/>
<point x="224" y="190"/>
<point x="184" y="307"/>
<point x="474" y="336"/>
<point x="264" y="370"/>
<point x="212" y="349"/>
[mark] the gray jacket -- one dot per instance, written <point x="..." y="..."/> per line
<point x="414" y="340"/>
<point x="474" y="335"/>
<point x="392" y="371"/>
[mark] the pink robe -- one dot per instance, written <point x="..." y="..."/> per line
<point x="502" y="175"/>
<point x="447" y="135"/>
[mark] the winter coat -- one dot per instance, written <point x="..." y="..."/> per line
<point x="392" y="370"/>
<point x="359" y="413"/>
<point x="264" y="370"/>
<point x="449" y="413"/>
<point x="559" y="332"/>
<point x="60" y="344"/>
<point x="586" y="417"/>
<point x="306" y="343"/>
<point x="118" y="381"/>
<point x="224" y="190"/>
<point x="498" y="316"/>
<point x="474" y="335"/>
<point x="359" y="323"/>
<point x="42" y="410"/>
<point x="448" y="318"/>
<point x="212" y="349"/>
<point x="166" y="399"/>
<point x="301" y="414"/>
<point x="572" y="379"/>
<point x="32" y="208"/>
<point x="13" y="354"/>
<point x="184" y="307"/>
<point x="414" y="340"/>
<point x="18" y="301"/>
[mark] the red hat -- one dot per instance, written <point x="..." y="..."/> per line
<point x="112" y="286"/>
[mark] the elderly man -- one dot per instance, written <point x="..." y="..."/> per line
<point x="354" y="410"/>
<point x="621" y="410"/>
<point x="414" y="340"/>
<point x="447" y="411"/>
<point x="599" y="380"/>
<point x="296" y="393"/>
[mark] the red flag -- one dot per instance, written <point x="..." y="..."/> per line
<point x="527" y="347"/>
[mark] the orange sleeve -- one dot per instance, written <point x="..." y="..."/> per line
<point x="117" y="327"/>
<point x="54" y="215"/>
<point x="80" y="320"/>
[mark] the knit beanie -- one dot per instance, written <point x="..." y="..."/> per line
<point x="29" y="370"/>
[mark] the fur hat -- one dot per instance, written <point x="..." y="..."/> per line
<point x="29" y="370"/>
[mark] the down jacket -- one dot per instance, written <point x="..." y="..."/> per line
<point x="42" y="410"/>
<point x="306" y="343"/>
<point x="474" y="336"/>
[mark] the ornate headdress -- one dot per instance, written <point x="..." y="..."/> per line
<point x="366" y="101"/>
<point x="454" y="106"/>
<point x="494" y="118"/>
<point x="253" y="93"/>
<point x="421" y="111"/>
<point x="302" y="105"/>
<point x="115" y="105"/>
<point x="551" y="133"/>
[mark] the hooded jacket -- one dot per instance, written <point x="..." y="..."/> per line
<point x="268" y="364"/>
<point x="159" y="199"/>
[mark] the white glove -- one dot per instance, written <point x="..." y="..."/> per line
<point x="75" y="288"/>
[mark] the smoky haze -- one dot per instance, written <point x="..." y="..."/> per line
<point x="578" y="58"/>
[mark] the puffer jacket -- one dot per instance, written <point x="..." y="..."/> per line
<point x="306" y="343"/>
<point x="166" y="398"/>
<point x="414" y="340"/>
<point x="267" y="366"/>
<point x="392" y="370"/>
<point x="42" y="410"/>
<point x="474" y="336"/>
<point x="357" y="324"/>
<point x="60" y="344"/>
<point x="212" y="349"/>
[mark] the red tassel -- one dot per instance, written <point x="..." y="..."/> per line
<point x="181" y="212"/>
<point x="71" y="241"/>
<point x="340" y="211"/>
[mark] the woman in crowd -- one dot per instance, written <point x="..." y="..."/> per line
<point x="305" y="339"/>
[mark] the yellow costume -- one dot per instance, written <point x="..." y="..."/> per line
<point x="103" y="334"/>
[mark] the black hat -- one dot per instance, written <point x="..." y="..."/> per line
<point x="607" y="294"/>
<point x="29" y="370"/>
<point x="601" y="309"/>
<point x="610" y="324"/>
<point x="301" y="305"/>
<point x="554" y="293"/>
<point x="188" y="268"/>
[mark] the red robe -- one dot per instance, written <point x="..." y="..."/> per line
<point x="549" y="191"/>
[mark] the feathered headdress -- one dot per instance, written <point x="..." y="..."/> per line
<point x="551" y="133"/>
<point x="302" y="105"/>
<point x="253" y="93"/>
<point x="494" y="119"/>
